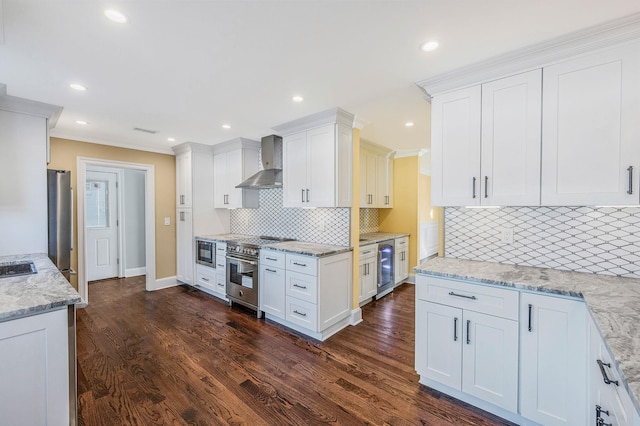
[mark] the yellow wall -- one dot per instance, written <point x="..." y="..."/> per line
<point x="64" y="155"/>
<point x="403" y="217"/>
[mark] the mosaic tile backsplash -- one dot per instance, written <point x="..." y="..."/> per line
<point x="368" y="221"/>
<point x="601" y="240"/>
<point x="300" y="224"/>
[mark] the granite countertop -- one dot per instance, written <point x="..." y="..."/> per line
<point x="615" y="312"/>
<point x="308" y="249"/>
<point x="34" y="294"/>
<point x="376" y="237"/>
<point x="223" y="238"/>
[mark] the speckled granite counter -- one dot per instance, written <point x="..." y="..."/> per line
<point x="376" y="237"/>
<point x="309" y="249"/>
<point x="223" y="238"/>
<point x="616" y="312"/>
<point x="28" y="295"/>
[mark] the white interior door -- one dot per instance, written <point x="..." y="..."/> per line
<point x="102" y="225"/>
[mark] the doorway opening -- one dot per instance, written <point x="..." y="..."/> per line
<point x="100" y="220"/>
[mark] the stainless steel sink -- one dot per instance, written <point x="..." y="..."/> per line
<point x="16" y="269"/>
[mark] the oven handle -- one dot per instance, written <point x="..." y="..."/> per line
<point x="239" y="259"/>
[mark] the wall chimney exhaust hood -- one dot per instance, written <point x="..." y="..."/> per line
<point x="271" y="157"/>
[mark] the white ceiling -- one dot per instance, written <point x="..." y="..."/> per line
<point x="186" y="67"/>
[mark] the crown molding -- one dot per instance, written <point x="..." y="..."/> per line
<point x="156" y="149"/>
<point x="333" y="115"/>
<point x="359" y="122"/>
<point x="233" y="144"/>
<point x="192" y="146"/>
<point x="535" y="56"/>
<point x="375" y="148"/>
<point x="402" y="153"/>
<point x="29" y="107"/>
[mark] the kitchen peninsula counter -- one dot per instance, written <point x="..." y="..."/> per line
<point x="37" y="293"/>
<point x="614" y="302"/>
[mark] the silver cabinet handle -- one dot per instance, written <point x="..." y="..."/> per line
<point x="205" y="279"/>
<point x="468" y="332"/>
<point x="304" y="287"/>
<point x="221" y="266"/>
<point x="270" y="270"/>
<point x="181" y="199"/>
<point x="365" y="269"/>
<point x="630" y="171"/>
<point x="302" y="314"/>
<point x="599" y="411"/>
<point x="302" y="195"/>
<point x="474" y="187"/>
<point x="606" y="378"/>
<point x="300" y="264"/>
<point x="386" y="199"/>
<point x="366" y="252"/>
<point x="530" y="328"/>
<point x="486" y="184"/>
<point x="181" y="216"/>
<point x="455" y="329"/>
<point x="271" y="259"/>
<point x="451" y="293"/>
<point x="307" y="195"/>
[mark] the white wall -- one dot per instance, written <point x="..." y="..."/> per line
<point x="23" y="187"/>
<point x="133" y="215"/>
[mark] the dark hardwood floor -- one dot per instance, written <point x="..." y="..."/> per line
<point x="179" y="356"/>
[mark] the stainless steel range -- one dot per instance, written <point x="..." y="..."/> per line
<point x="243" y="286"/>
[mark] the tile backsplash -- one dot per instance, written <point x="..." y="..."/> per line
<point x="368" y="221"/>
<point x="601" y="240"/>
<point x="300" y="224"/>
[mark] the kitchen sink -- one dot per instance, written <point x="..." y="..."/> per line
<point x="15" y="269"/>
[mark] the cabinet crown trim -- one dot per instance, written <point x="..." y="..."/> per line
<point x="234" y="144"/>
<point x="374" y="147"/>
<point x="29" y="107"/>
<point x="333" y="115"/>
<point x="537" y="55"/>
<point x="191" y="146"/>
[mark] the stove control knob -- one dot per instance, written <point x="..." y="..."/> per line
<point x="238" y="249"/>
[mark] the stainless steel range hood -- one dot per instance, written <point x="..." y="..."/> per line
<point x="271" y="158"/>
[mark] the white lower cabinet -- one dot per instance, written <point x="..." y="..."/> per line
<point x="468" y="351"/>
<point x="213" y="280"/>
<point x="368" y="275"/>
<point x="401" y="259"/>
<point x="553" y="346"/>
<point x="272" y="283"/>
<point x="609" y="401"/>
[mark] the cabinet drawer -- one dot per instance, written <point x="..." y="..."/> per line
<point x="302" y="313"/>
<point x="221" y="249"/>
<point x="368" y="251"/>
<point x="221" y="263"/>
<point x="206" y="277"/>
<point x="488" y="300"/>
<point x="221" y="283"/>
<point x="302" y="286"/>
<point x="272" y="258"/>
<point x="401" y="243"/>
<point x="304" y="264"/>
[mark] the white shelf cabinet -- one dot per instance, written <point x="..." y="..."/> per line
<point x="553" y="347"/>
<point x="231" y="168"/>
<point x="466" y="344"/>
<point x="317" y="160"/>
<point x="401" y="259"/>
<point x="590" y="129"/>
<point x="368" y="273"/>
<point x="486" y="143"/>
<point x="376" y="176"/>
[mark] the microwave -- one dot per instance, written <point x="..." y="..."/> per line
<point x="206" y="253"/>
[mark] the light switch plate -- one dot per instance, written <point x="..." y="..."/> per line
<point x="506" y="235"/>
<point x="167" y="221"/>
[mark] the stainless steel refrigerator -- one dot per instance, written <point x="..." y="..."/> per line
<point x="60" y="218"/>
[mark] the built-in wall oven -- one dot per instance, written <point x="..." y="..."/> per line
<point x="386" y="275"/>
<point x="206" y="252"/>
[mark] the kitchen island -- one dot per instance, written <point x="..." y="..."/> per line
<point x="612" y="304"/>
<point x="37" y="345"/>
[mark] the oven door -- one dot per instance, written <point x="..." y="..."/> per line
<point x="205" y="253"/>
<point x="242" y="279"/>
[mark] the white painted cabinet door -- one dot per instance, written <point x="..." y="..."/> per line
<point x="438" y="343"/>
<point x="510" y="147"/>
<point x="455" y="148"/>
<point x="553" y="354"/>
<point x="490" y="359"/>
<point x="220" y="184"/>
<point x="384" y="181"/>
<point x="368" y="277"/>
<point x="183" y="180"/>
<point x="321" y="167"/>
<point x="591" y="130"/>
<point x="273" y="291"/>
<point x="185" y="247"/>
<point x="368" y="179"/>
<point x="294" y="171"/>
<point x="401" y="259"/>
<point x="234" y="177"/>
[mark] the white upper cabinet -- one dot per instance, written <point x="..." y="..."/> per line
<point x="234" y="162"/>
<point x="591" y="129"/>
<point x="183" y="179"/>
<point x="376" y="176"/>
<point x="317" y="160"/>
<point x="486" y="143"/>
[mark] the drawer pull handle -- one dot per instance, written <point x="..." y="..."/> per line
<point x="300" y="264"/>
<point x="530" y="328"/>
<point x="366" y="252"/>
<point x="606" y="378"/>
<point x="300" y="286"/>
<point x="271" y="259"/>
<point x="221" y="266"/>
<point x="630" y="171"/>
<point x="302" y="314"/>
<point x="462" y="295"/>
<point x="455" y="329"/>
<point x="599" y="411"/>
<point x="205" y="279"/>
<point x="270" y="270"/>
<point x="474" y="187"/>
<point x="468" y="332"/>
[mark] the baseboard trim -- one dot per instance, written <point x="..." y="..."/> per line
<point x="135" y="272"/>
<point x="163" y="283"/>
<point x="356" y="316"/>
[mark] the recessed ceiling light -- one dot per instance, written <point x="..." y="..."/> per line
<point x="171" y="139"/>
<point x="297" y="98"/>
<point x="226" y="126"/>
<point x="82" y="122"/>
<point x="429" y="46"/>
<point x="115" y="16"/>
<point x="78" y="87"/>
<point x="408" y="124"/>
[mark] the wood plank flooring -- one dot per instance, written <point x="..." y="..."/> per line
<point x="178" y="356"/>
